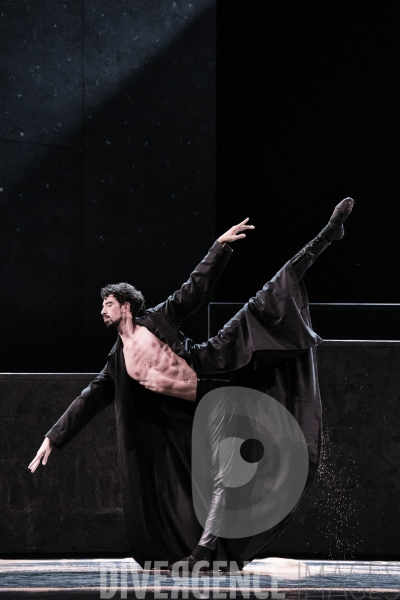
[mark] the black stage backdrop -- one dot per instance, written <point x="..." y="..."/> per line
<point x="107" y="149"/>
<point x="107" y="153"/>
<point x="308" y="113"/>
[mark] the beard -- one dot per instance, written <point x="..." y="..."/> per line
<point x="110" y="324"/>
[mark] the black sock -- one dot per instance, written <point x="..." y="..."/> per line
<point x="331" y="231"/>
<point x="201" y="553"/>
<point x="306" y="257"/>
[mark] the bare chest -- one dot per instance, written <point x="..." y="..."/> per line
<point x="143" y="351"/>
<point x="153" y="364"/>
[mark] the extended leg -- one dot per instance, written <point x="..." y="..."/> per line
<point x="208" y="541"/>
<point x="334" y="230"/>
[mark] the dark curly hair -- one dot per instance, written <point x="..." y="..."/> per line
<point x="124" y="292"/>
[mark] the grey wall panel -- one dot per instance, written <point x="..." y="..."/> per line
<point x="42" y="77"/>
<point x="73" y="191"/>
<point x="149" y="77"/>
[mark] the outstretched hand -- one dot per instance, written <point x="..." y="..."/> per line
<point x="42" y="453"/>
<point x="234" y="234"/>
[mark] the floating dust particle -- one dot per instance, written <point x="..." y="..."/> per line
<point x="335" y="507"/>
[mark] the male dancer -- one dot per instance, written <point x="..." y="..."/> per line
<point x="152" y="374"/>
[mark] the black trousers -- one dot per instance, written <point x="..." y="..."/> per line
<point x="208" y="539"/>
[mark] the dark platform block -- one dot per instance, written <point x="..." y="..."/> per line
<point x="73" y="504"/>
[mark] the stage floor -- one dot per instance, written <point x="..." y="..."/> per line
<point x="268" y="578"/>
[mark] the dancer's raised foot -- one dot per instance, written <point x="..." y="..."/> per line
<point x="335" y="230"/>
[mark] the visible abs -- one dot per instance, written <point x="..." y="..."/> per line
<point x="155" y="366"/>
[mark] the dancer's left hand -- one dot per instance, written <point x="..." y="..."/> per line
<point x="42" y="455"/>
<point x="234" y="234"/>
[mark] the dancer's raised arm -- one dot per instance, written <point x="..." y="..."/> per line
<point x="188" y="299"/>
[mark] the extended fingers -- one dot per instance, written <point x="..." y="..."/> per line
<point x="243" y="227"/>
<point x="34" y="464"/>
<point x="243" y="223"/>
<point x="239" y="225"/>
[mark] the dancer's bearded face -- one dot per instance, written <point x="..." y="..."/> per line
<point x="111" y="312"/>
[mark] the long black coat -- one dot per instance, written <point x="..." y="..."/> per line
<point x="154" y="431"/>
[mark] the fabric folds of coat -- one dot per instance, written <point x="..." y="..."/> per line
<point x="154" y="431"/>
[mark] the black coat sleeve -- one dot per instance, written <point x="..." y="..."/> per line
<point x="98" y="395"/>
<point x="187" y="300"/>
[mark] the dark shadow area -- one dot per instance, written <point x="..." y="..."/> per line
<point x="307" y="115"/>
